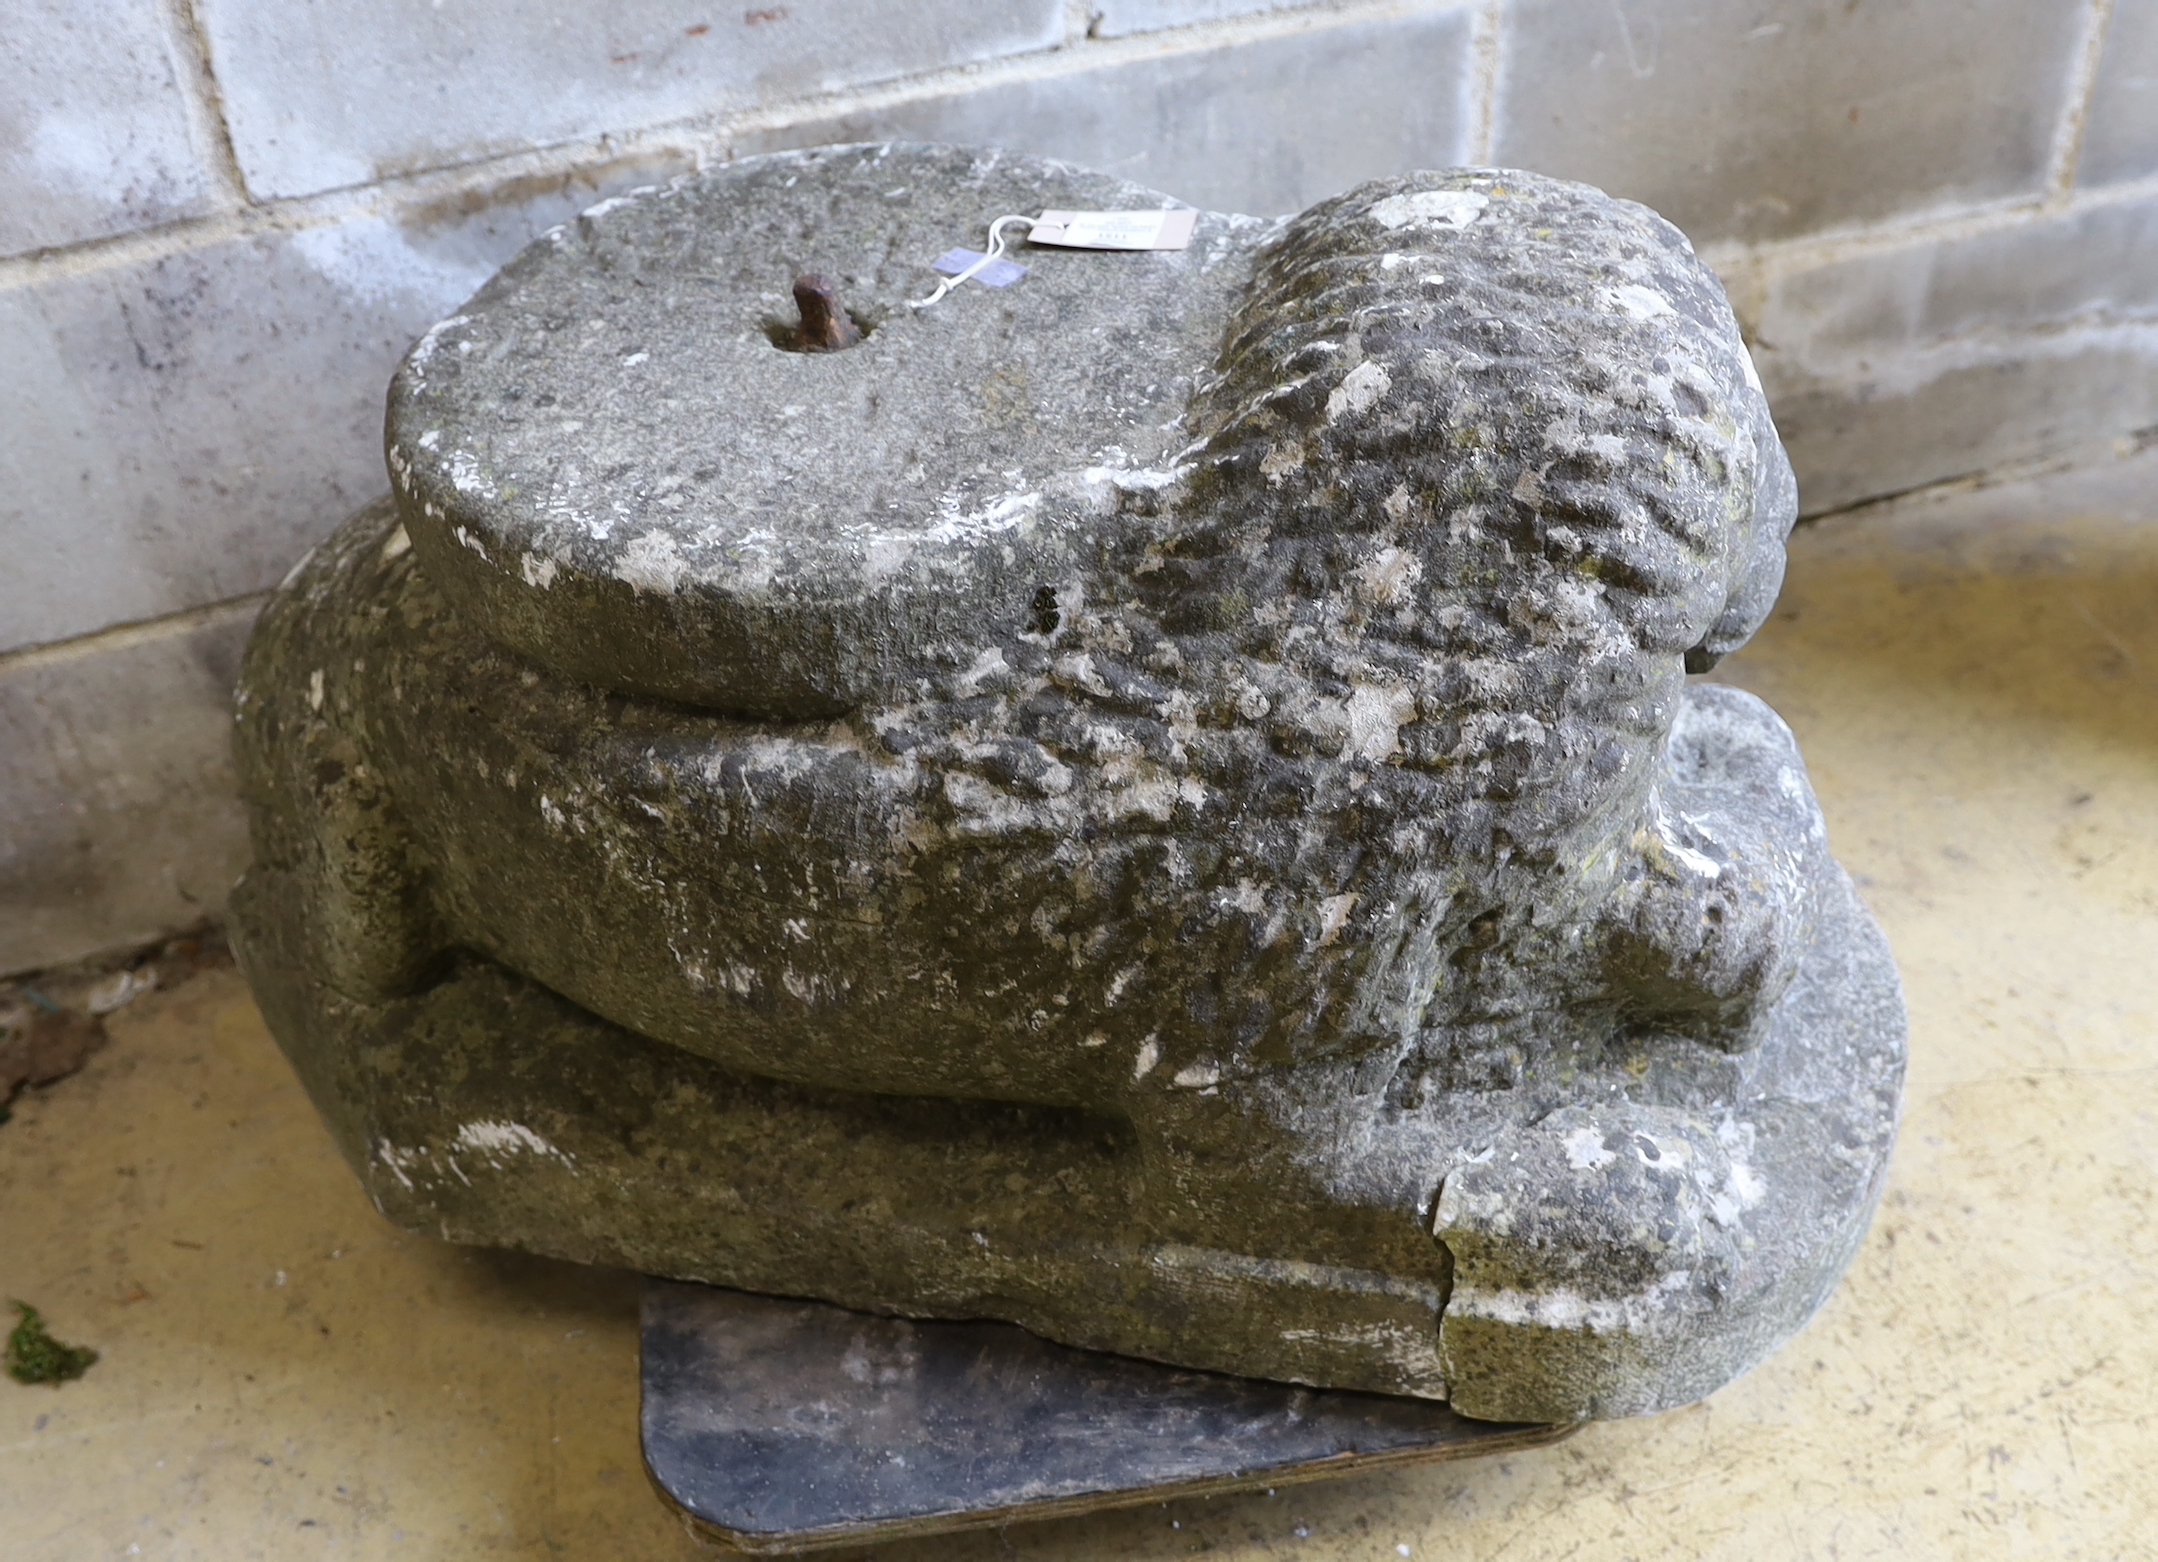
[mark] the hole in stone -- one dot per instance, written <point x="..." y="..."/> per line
<point x="785" y="334"/>
<point x="1044" y="618"/>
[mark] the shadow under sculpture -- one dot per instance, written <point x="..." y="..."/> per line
<point x="1161" y="803"/>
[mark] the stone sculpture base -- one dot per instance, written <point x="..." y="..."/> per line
<point x="486" y="1109"/>
<point x="923" y="1428"/>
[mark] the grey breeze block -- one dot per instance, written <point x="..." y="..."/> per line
<point x="1161" y="804"/>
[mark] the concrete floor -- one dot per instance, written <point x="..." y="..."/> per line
<point x="1975" y="681"/>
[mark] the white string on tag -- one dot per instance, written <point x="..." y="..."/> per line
<point x="1132" y="230"/>
<point x="995" y="252"/>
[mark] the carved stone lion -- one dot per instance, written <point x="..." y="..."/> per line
<point x="1162" y="803"/>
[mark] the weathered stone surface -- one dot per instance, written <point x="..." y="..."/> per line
<point x="800" y="532"/>
<point x="1139" y="800"/>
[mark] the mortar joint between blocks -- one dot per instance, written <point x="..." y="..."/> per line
<point x="2067" y="150"/>
<point x="206" y="100"/>
<point x="1487" y="60"/>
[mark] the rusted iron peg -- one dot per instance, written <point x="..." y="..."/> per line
<point x="826" y="326"/>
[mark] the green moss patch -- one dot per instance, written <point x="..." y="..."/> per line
<point x="33" y="1356"/>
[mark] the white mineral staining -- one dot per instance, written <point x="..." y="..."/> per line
<point x="1389" y="577"/>
<point x="1149" y="1055"/>
<point x="298" y="569"/>
<point x="1250" y="701"/>
<point x="599" y="209"/>
<point x="1359" y="390"/>
<point x="1135" y="479"/>
<point x="1076" y="671"/>
<point x="537" y="570"/>
<point x="1664" y="1153"/>
<point x="399" y="1162"/>
<point x="1410" y="1349"/>
<point x="652" y="563"/>
<point x="975" y="526"/>
<point x="988" y="670"/>
<point x="1700" y="862"/>
<point x="1743" y="1189"/>
<point x="1454" y="209"/>
<point x="1558" y="1309"/>
<point x="885" y="555"/>
<point x="314" y="690"/>
<point x="499" y="1141"/>
<point x="426" y="347"/>
<point x="1334" y="916"/>
<point x="1585" y="1150"/>
<point x="466" y="476"/>
<point x="1640" y="303"/>
<point x="396" y="545"/>
<point x="1376" y="716"/>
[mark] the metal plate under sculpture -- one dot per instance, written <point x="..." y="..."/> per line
<point x="783" y="1426"/>
<point x="1161" y="804"/>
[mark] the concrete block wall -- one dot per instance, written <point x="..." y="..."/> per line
<point x="222" y="221"/>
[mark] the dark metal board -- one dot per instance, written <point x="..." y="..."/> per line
<point x="779" y="1426"/>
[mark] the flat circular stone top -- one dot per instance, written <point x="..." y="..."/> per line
<point x="612" y="458"/>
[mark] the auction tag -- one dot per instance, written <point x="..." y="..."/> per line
<point x="1115" y="230"/>
<point x="997" y="273"/>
